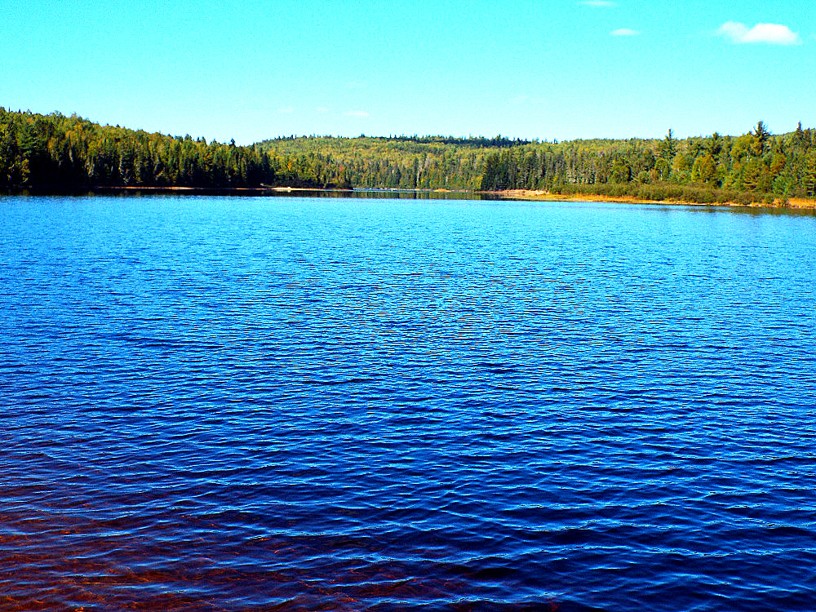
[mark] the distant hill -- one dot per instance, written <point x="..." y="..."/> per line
<point x="55" y="153"/>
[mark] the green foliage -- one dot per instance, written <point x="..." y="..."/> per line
<point x="668" y="148"/>
<point x="810" y="173"/>
<point x="754" y="167"/>
<point x="761" y="136"/>
<point x="704" y="169"/>
<point x="394" y="163"/>
<point x="58" y="153"/>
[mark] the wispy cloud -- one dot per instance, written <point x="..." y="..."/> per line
<point x="598" y="3"/>
<point x="286" y="110"/>
<point x="768" y="33"/>
<point x="356" y="113"/>
<point x="624" y="32"/>
<point x="322" y="109"/>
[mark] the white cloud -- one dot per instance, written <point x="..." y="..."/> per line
<point x="322" y="109"/>
<point x="598" y="3"/>
<point x="624" y="32"/>
<point x="770" y="33"/>
<point x="286" y="110"/>
<point x="356" y="113"/>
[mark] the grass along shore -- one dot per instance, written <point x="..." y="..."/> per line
<point x="686" y="199"/>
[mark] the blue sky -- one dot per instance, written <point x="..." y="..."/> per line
<point x="557" y="69"/>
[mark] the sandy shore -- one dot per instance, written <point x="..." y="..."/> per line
<point x="527" y="194"/>
<point x="510" y="194"/>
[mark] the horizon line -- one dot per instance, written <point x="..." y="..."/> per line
<point x="415" y="136"/>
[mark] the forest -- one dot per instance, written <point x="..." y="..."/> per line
<point x="59" y="154"/>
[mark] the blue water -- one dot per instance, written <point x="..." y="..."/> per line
<point x="349" y="404"/>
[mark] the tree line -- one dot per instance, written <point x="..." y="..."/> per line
<point x="64" y="154"/>
<point x="752" y="167"/>
<point x="55" y="153"/>
<point x="756" y="166"/>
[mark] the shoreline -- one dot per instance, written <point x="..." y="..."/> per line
<point x="546" y="196"/>
<point x="263" y="190"/>
<point x="509" y="194"/>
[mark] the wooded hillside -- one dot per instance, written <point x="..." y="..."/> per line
<point x="69" y="154"/>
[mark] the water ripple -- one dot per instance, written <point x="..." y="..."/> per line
<point x="311" y="404"/>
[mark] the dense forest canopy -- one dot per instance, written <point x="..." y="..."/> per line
<point x="64" y="154"/>
<point x="54" y="152"/>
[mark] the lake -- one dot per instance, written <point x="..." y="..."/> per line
<point x="313" y="403"/>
